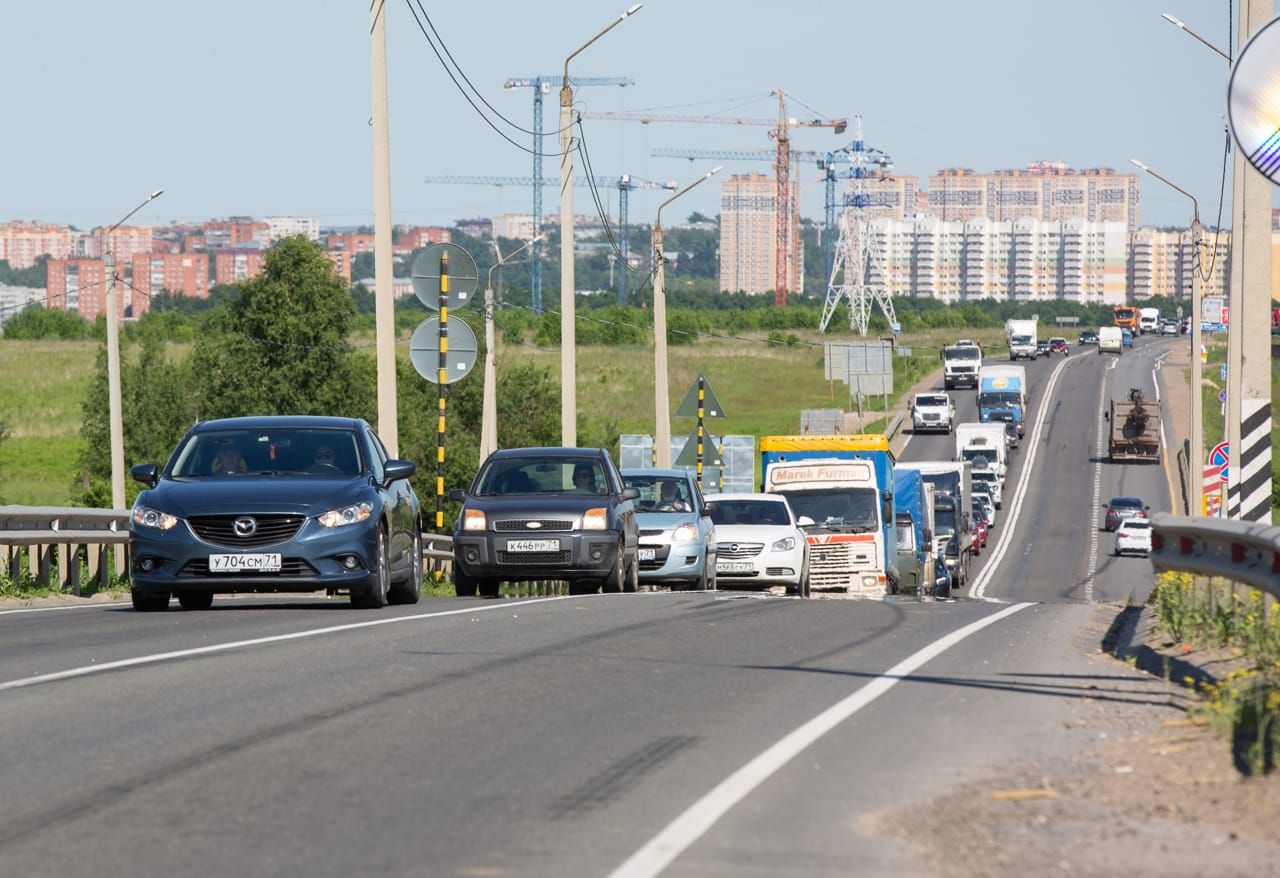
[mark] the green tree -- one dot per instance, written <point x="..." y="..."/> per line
<point x="35" y="276"/>
<point x="36" y="322"/>
<point x="281" y="346"/>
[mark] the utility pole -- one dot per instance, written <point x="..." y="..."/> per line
<point x="384" y="292"/>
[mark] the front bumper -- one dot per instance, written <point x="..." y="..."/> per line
<point x="578" y="555"/>
<point x="769" y="567"/>
<point x="672" y="562"/>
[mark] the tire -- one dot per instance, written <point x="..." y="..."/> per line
<point x="149" y="602"/>
<point x="195" y="600"/>
<point x="612" y="583"/>
<point x="375" y="598"/>
<point x="488" y="588"/>
<point x="632" y="583"/>
<point x="464" y="586"/>
<point x="701" y="583"/>
<point x="713" y="582"/>
<point x="410" y="590"/>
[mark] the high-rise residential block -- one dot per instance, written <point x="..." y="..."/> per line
<point x="1161" y="263"/>
<point x="124" y="242"/>
<point x="412" y="238"/>
<point x="236" y="233"/>
<point x="749" y="236"/>
<point x="288" y="226"/>
<point x="183" y="274"/>
<point x="234" y="266"/>
<point x="1048" y="191"/>
<point x="79" y="285"/>
<point x="21" y="244"/>
<point x="341" y="260"/>
<point x="354" y="243"/>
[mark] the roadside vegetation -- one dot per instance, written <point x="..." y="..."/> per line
<point x="1244" y="704"/>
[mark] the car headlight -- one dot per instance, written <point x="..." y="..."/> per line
<point x="353" y="514"/>
<point x="786" y="544"/>
<point x="595" y="519"/>
<point x="685" y="533"/>
<point x="473" y="519"/>
<point x="148" y="517"/>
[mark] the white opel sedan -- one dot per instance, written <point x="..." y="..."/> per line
<point x="1133" y="536"/>
<point x="758" y="542"/>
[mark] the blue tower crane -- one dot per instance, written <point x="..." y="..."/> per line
<point x="542" y="84"/>
<point x="625" y="183"/>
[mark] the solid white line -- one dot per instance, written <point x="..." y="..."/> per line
<point x="51" y="609"/>
<point x="156" y="658"/>
<point x="979" y="587"/>
<point x="678" y="835"/>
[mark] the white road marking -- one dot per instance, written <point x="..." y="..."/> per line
<point x="157" y="658"/>
<point x="74" y="607"/>
<point x="1097" y="494"/>
<point x="677" y="836"/>
<point x="979" y="587"/>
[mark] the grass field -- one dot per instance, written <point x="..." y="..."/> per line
<point x="761" y="388"/>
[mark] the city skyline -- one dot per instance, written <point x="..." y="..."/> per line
<point x="279" y="126"/>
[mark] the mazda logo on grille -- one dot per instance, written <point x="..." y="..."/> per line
<point x="245" y="527"/>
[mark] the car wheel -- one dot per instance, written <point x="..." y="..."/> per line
<point x="613" y="582"/>
<point x="195" y="600"/>
<point x="488" y="588"/>
<point x="376" y="596"/>
<point x="464" y="586"/>
<point x="633" y="577"/>
<point x="149" y="602"/>
<point x="409" y="591"/>
<point x="701" y="583"/>
<point x="713" y="583"/>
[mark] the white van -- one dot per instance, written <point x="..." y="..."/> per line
<point x="1110" y="339"/>
<point x="1148" y="320"/>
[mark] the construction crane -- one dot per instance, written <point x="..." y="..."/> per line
<point x="624" y="184"/>
<point x="542" y="84"/>
<point x="858" y="253"/>
<point x="779" y="132"/>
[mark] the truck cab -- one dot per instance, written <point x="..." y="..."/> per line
<point x="932" y="411"/>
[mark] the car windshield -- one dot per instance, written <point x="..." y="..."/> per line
<point x="547" y="475"/>
<point x="932" y="400"/>
<point x="1126" y="503"/>
<point x="944" y="519"/>
<point x="963" y="353"/>
<point x="852" y="510"/>
<point x="275" y="451"/>
<point x="1136" y="524"/>
<point x="999" y="397"/>
<point x="985" y="476"/>
<point x="753" y="512"/>
<point x="661" y="493"/>
<point x="1057" y="341"/>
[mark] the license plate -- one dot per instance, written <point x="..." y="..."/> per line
<point x="648" y="554"/>
<point x="261" y="563"/>
<point x="734" y="567"/>
<point x="533" y="545"/>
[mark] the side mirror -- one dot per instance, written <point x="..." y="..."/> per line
<point x="804" y="521"/>
<point x="147" y="473"/>
<point x="630" y="494"/>
<point x="394" y="470"/>
<point x="457" y="495"/>
<point x="1106" y="415"/>
<point x="710" y="508"/>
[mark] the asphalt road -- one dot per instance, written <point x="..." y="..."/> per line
<point x="679" y="734"/>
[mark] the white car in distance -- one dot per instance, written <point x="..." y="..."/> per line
<point x="995" y="484"/>
<point x="759" y="542"/>
<point x="1133" y="537"/>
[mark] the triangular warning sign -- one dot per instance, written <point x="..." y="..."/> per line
<point x="710" y="405"/>
<point x="710" y="451"/>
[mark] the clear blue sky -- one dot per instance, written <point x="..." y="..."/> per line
<point x="262" y="107"/>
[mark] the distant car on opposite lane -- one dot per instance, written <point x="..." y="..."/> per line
<point x="1042" y="348"/>
<point x="1058" y="345"/>
<point x="1121" y="508"/>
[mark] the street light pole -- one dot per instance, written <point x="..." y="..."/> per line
<point x="114" y="405"/>
<point x="661" y="393"/>
<point x="489" y="406"/>
<point x="1195" y="480"/>
<point x="568" y="307"/>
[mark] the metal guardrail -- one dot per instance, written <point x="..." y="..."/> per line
<point x="894" y="426"/>
<point x="54" y="537"/>
<point x="1241" y="551"/>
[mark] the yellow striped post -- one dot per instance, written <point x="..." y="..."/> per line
<point x="702" y="392"/>
<point x="442" y="376"/>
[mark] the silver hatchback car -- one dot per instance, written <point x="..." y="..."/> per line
<point x="677" y="544"/>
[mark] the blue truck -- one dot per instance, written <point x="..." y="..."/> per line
<point x="842" y="486"/>
<point x="1003" y="389"/>
<point x="912" y="498"/>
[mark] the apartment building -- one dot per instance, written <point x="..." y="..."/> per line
<point x="23" y="243"/>
<point x="748" y="236"/>
<point x="513" y="225"/>
<point x="288" y="226"/>
<point x="183" y="274"/>
<point x="124" y="242"/>
<point x="234" y="266"/>
<point x="236" y="233"/>
<point x="888" y="195"/>
<point x="1048" y="191"/>
<point x="1161" y="263"/>
<point x="14" y="299"/>
<point x="341" y="260"/>
<point x="79" y="285"/>
<point x="354" y="243"/>
<point x="410" y="238"/>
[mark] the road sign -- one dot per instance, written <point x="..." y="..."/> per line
<point x="1223" y="371"/>
<point x="463" y="277"/>
<point x="424" y="349"/>
<point x="710" y="405"/>
<point x="1219" y="456"/>
<point x="1222" y="396"/>
<point x="710" y="451"/>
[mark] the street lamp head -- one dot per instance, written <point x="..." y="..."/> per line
<point x="1174" y="21"/>
<point x="717" y="169"/>
<point x="1140" y="164"/>
<point x="155" y="194"/>
<point x="633" y="10"/>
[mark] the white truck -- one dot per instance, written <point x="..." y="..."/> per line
<point x="932" y="411"/>
<point x="1148" y="320"/>
<point x="1110" y="338"/>
<point x="977" y="443"/>
<point x="960" y="365"/>
<point x="1021" y="335"/>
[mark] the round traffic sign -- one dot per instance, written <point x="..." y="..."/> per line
<point x="424" y="349"/>
<point x="1218" y="456"/>
<point x="432" y="265"/>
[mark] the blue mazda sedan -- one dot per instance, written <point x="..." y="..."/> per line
<point x="276" y="504"/>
